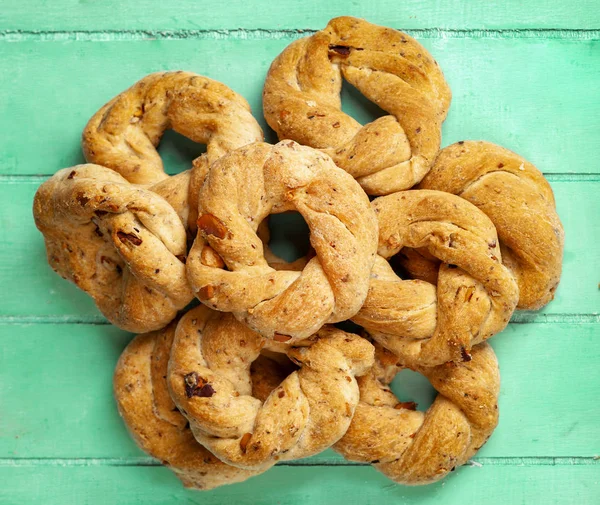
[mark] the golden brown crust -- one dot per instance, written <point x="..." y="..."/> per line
<point x="412" y="447"/>
<point x="154" y="422"/>
<point x="209" y="380"/>
<point x="475" y="295"/>
<point x="122" y="244"/>
<point x="519" y="201"/>
<point x="244" y="187"/>
<point x="124" y="133"/>
<point x="301" y="101"/>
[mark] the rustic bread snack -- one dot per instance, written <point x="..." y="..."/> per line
<point x="240" y="191"/>
<point x="122" y="244"/>
<point x="124" y="133"/>
<point x="517" y="198"/>
<point x="140" y="388"/>
<point x="209" y="380"/>
<point x="412" y="447"/>
<point x="301" y="101"/>
<point x="475" y="295"/>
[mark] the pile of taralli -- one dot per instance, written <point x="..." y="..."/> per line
<point x="259" y="372"/>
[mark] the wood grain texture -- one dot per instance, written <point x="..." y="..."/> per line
<point x="525" y="94"/>
<point x="27" y="276"/>
<point x="207" y="15"/>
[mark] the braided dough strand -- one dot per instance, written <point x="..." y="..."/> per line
<point x="411" y="447"/>
<point x="301" y="101"/>
<point x="234" y="201"/>
<point x="519" y="201"/>
<point x="475" y="294"/>
<point x="310" y="410"/>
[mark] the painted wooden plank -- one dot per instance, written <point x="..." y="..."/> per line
<point x="537" y="97"/>
<point x="494" y="485"/>
<point x="57" y="394"/>
<point x="25" y="274"/>
<point x="524" y="74"/>
<point x="288" y="14"/>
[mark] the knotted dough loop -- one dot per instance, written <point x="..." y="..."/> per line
<point x="240" y="191"/>
<point x="140" y="388"/>
<point x="122" y="244"/>
<point x="475" y="295"/>
<point x="519" y="201"/>
<point x="124" y="133"/>
<point x="209" y="380"/>
<point x="301" y="101"/>
<point x="412" y="447"/>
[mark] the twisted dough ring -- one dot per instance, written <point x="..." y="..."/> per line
<point x="475" y="294"/>
<point x="243" y="188"/>
<point x="519" y="201"/>
<point x="140" y="388"/>
<point x="412" y="447"/>
<point x="122" y="244"/>
<point x="301" y="101"/>
<point x="307" y="413"/>
<point x="124" y="133"/>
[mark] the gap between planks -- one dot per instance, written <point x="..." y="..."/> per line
<point x="276" y="34"/>
<point x="551" y="177"/>
<point x="99" y="320"/>
<point x="148" y="461"/>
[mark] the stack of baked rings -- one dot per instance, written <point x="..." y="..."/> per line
<point x="258" y="372"/>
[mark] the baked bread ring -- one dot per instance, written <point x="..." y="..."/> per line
<point x="240" y="191"/>
<point x="159" y="429"/>
<point x="124" y="133"/>
<point x="209" y="380"/>
<point x="412" y="447"/>
<point x="475" y="295"/>
<point x="519" y="201"/>
<point x="122" y="244"/>
<point x="301" y="101"/>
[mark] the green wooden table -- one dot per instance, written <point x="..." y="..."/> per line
<point x="524" y="74"/>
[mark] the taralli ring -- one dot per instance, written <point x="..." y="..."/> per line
<point x="240" y="191"/>
<point x="209" y="380"/>
<point x="301" y="101"/>
<point x="412" y="447"/>
<point x="519" y="201"/>
<point x="124" y="133"/>
<point x="475" y="294"/>
<point x="122" y="244"/>
<point x="140" y="388"/>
